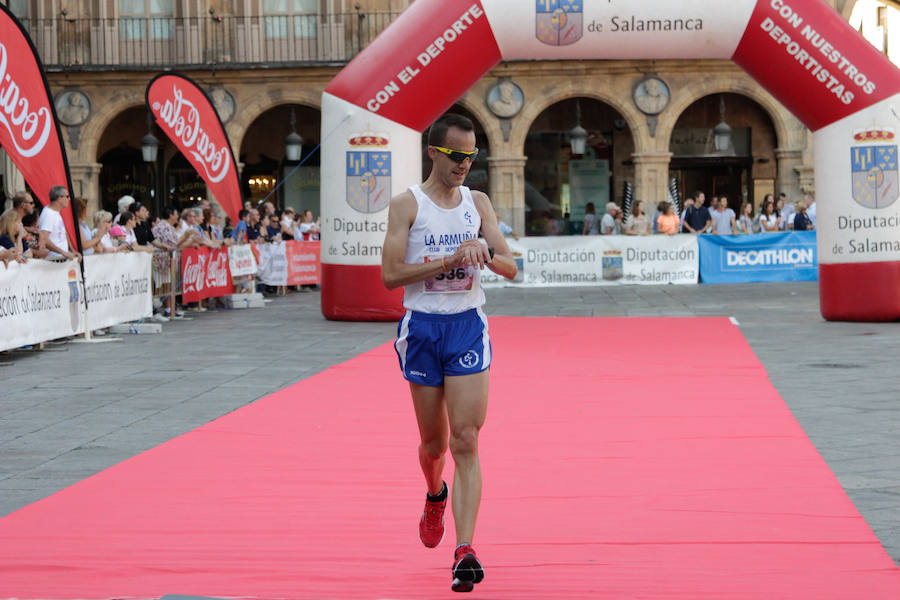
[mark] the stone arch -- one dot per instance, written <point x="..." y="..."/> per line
<point x="534" y="109"/>
<point x="685" y="97"/>
<point x="93" y="130"/>
<point x="264" y="101"/>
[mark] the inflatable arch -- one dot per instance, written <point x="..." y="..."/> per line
<point x="802" y="51"/>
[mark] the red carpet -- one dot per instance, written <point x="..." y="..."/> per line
<point x="617" y="464"/>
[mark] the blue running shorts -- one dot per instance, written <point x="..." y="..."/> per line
<point x="432" y="346"/>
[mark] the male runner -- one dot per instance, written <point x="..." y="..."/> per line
<point x="432" y="249"/>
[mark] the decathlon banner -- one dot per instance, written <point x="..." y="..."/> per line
<point x="117" y="287"/>
<point x="789" y="256"/>
<point x="186" y="115"/>
<point x="40" y="300"/>
<point x="29" y="132"/>
<point x="601" y="260"/>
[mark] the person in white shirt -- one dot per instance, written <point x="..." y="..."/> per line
<point x="786" y="210"/>
<point x="52" y="226"/>
<point x="608" y="223"/>
<point x="810" y="202"/>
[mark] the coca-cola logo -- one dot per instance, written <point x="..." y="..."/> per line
<point x="193" y="278"/>
<point x="217" y="270"/>
<point x="29" y="129"/>
<point x="182" y="118"/>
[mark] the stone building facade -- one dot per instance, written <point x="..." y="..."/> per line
<point x="263" y="65"/>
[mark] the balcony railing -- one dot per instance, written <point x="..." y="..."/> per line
<point x="191" y="43"/>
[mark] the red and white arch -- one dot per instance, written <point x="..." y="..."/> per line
<point x="803" y="52"/>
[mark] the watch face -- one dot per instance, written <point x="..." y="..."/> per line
<point x="73" y="108"/>
<point x="505" y="98"/>
<point x="651" y="95"/>
<point x="223" y="102"/>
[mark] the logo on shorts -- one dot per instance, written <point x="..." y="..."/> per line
<point x="418" y="373"/>
<point x="469" y="359"/>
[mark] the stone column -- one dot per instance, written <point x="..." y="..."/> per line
<point x="507" y="189"/>
<point x="789" y="164"/>
<point x="86" y="183"/>
<point x="651" y="175"/>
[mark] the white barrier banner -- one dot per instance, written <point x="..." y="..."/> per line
<point x="601" y="260"/>
<point x="241" y="260"/>
<point x="273" y="266"/>
<point x="118" y="288"/>
<point x="39" y="301"/>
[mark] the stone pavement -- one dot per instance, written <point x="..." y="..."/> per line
<point x="75" y="409"/>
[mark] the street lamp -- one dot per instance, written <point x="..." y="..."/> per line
<point x="293" y="143"/>
<point x="578" y="135"/>
<point x="149" y="143"/>
<point x="722" y="132"/>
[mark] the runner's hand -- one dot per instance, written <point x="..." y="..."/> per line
<point x="471" y="252"/>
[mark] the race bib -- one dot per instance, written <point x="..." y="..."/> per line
<point x="449" y="282"/>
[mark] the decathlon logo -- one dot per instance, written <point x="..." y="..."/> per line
<point x="791" y="257"/>
<point x="469" y="359"/>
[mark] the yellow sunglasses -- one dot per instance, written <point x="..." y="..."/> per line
<point x="457" y="156"/>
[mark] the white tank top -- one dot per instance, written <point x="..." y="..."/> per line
<point x="438" y="232"/>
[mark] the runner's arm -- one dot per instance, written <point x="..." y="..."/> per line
<point x="503" y="263"/>
<point x="394" y="271"/>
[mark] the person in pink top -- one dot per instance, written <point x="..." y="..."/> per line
<point x="668" y="222"/>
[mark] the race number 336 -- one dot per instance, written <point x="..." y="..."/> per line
<point x="454" y="280"/>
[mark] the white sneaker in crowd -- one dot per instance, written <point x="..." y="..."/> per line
<point x="160" y="318"/>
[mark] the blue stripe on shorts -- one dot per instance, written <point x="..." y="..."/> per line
<point x="433" y="346"/>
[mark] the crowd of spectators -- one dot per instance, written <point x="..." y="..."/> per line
<point x="29" y="232"/>
<point x="773" y="215"/>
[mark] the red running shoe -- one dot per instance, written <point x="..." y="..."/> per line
<point x="467" y="569"/>
<point x="431" y="526"/>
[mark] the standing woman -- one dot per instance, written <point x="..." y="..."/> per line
<point x="668" y="223"/>
<point x="640" y="222"/>
<point x="769" y="220"/>
<point x="745" y="220"/>
<point x="90" y="242"/>
<point x="591" y="223"/>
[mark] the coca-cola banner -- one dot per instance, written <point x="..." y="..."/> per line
<point x="28" y="129"/>
<point x="185" y="114"/>
<point x="205" y="273"/>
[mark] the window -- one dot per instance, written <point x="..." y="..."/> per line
<point x="286" y="18"/>
<point x="19" y="8"/>
<point x="141" y="19"/>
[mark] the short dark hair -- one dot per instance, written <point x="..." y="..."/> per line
<point x="437" y="135"/>
<point x="125" y="217"/>
<point x="168" y="211"/>
<point x="30" y="219"/>
<point x="243" y="213"/>
<point x="19" y="199"/>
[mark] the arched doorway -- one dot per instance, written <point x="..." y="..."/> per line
<point x="559" y="183"/>
<point x="745" y="170"/>
<point x="123" y="170"/>
<point x="265" y="163"/>
<point x="478" y="174"/>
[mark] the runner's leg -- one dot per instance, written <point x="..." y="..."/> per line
<point x="466" y="401"/>
<point x="431" y="416"/>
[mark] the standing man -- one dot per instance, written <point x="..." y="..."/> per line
<point x="696" y="218"/>
<point x="52" y="227"/>
<point x="723" y="218"/>
<point x="432" y="249"/>
<point x="810" y="202"/>
<point x="608" y="222"/>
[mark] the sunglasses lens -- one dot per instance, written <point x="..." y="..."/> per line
<point x="457" y="156"/>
